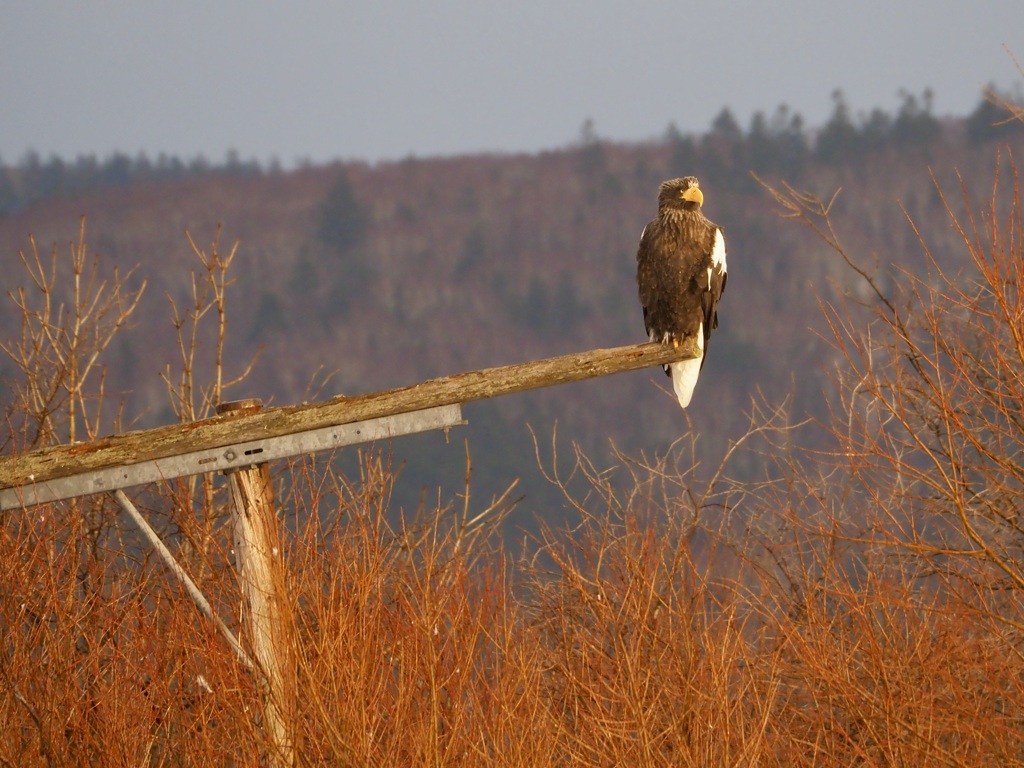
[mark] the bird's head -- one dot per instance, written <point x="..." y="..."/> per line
<point x="680" y="195"/>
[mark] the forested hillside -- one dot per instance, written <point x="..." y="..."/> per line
<point x="384" y="275"/>
<point x="846" y="590"/>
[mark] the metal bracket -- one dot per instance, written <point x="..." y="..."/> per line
<point x="231" y="456"/>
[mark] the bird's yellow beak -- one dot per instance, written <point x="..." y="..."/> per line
<point x="694" y="195"/>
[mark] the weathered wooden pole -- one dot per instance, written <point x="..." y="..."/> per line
<point x="260" y="566"/>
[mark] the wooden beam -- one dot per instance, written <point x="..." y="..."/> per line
<point x="161" y="442"/>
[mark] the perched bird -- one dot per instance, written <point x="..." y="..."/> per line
<point x="680" y="270"/>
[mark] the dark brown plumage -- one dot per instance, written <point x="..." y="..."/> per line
<point x="681" y="274"/>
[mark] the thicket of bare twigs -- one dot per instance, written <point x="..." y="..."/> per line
<point x="860" y="606"/>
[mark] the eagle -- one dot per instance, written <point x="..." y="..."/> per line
<point x="681" y="274"/>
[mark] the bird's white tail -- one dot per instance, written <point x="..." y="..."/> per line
<point x="684" y="379"/>
<point x="684" y="374"/>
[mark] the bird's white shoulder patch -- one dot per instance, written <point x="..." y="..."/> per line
<point x="718" y="250"/>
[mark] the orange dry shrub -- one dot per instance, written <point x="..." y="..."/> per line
<point x="896" y="594"/>
<point x="408" y="634"/>
<point x="102" y="661"/>
<point x="646" y="639"/>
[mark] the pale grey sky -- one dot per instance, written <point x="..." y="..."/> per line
<point x="382" y="80"/>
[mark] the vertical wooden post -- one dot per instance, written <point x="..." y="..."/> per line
<point x="259" y="562"/>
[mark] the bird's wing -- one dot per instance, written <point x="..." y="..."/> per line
<point x="712" y="280"/>
<point x="646" y="279"/>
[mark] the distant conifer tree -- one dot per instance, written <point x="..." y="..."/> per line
<point x="915" y="123"/>
<point x="342" y="221"/>
<point x="839" y="140"/>
<point x="991" y="121"/>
